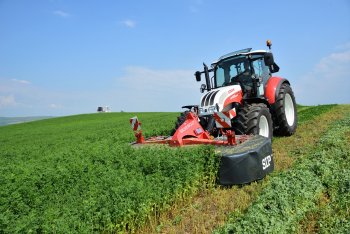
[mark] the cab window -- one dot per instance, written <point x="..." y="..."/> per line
<point x="260" y="69"/>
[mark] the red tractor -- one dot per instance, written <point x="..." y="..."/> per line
<point x="243" y="106"/>
<point x="244" y="96"/>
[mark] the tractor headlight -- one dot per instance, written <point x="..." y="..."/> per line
<point x="211" y="109"/>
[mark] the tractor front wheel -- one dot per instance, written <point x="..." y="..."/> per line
<point x="207" y="123"/>
<point x="253" y="119"/>
<point x="285" y="113"/>
<point x="179" y="121"/>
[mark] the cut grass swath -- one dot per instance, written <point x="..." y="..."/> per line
<point x="292" y="195"/>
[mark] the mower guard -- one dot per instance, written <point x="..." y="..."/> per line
<point x="250" y="161"/>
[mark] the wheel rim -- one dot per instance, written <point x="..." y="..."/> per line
<point x="289" y="109"/>
<point x="264" y="126"/>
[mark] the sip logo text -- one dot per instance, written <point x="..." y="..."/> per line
<point x="266" y="162"/>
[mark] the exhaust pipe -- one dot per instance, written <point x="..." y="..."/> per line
<point x="207" y="78"/>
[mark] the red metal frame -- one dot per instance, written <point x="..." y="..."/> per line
<point x="189" y="133"/>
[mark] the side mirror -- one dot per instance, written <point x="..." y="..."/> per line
<point x="268" y="59"/>
<point x="202" y="88"/>
<point x="198" y="76"/>
<point x="274" y="68"/>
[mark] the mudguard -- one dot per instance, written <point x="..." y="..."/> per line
<point x="252" y="160"/>
<point x="272" y="88"/>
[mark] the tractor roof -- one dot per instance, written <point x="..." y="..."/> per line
<point x="240" y="52"/>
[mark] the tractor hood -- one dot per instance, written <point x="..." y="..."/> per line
<point x="219" y="99"/>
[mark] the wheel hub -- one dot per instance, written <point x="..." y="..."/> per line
<point x="264" y="126"/>
<point x="289" y="109"/>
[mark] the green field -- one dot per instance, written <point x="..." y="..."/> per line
<point x="80" y="174"/>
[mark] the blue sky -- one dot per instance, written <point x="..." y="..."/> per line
<point x="63" y="57"/>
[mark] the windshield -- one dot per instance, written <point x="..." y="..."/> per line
<point x="228" y="69"/>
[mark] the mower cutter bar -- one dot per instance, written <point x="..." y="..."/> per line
<point x="243" y="158"/>
<point x="189" y="133"/>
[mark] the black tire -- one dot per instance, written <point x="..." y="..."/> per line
<point x="285" y="112"/>
<point x="207" y="123"/>
<point x="180" y="120"/>
<point x="253" y="119"/>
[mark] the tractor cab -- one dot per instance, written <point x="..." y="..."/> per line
<point x="248" y="69"/>
<point x="245" y="69"/>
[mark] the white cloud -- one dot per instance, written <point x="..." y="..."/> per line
<point x="328" y="82"/>
<point x="139" y="89"/>
<point x="7" y="101"/>
<point x="129" y="23"/>
<point x="344" y="46"/>
<point x="145" y="89"/>
<point x="17" y="98"/>
<point x="62" y="14"/>
<point x="55" y="106"/>
<point x="20" y="81"/>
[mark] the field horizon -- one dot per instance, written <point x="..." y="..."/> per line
<point x="6" y="120"/>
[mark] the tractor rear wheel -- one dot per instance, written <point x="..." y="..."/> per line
<point x="253" y="119"/>
<point x="285" y="113"/>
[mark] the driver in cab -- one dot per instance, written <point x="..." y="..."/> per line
<point x="243" y="78"/>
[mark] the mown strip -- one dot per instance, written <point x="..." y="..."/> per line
<point x="312" y="123"/>
<point x="332" y="163"/>
<point x="210" y="208"/>
<point x="306" y="113"/>
<point x="292" y="195"/>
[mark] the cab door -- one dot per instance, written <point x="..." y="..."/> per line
<point x="261" y="73"/>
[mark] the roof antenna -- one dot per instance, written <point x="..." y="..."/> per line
<point x="269" y="44"/>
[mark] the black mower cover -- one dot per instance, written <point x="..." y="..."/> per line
<point x="252" y="160"/>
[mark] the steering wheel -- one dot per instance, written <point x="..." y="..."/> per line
<point x="236" y="80"/>
<point x="236" y="76"/>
